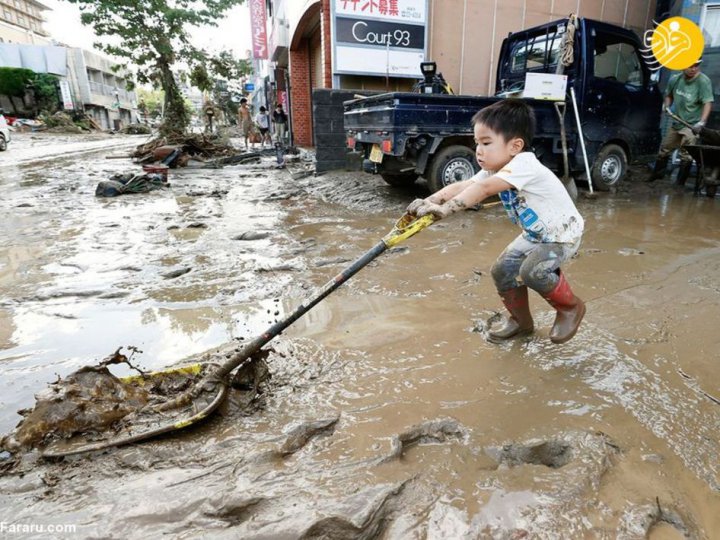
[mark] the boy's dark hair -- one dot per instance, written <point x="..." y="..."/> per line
<point x="512" y="118"/>
<point x="262" y="109"/>
<point x="243" y="100"/>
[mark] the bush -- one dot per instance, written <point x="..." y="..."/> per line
<point x="45" y="91"/>
<point x="14" y="81"/>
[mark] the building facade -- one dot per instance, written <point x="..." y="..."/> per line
<point x="99" y="90"/>
<point x="21" y="21"/>
<point x="463" y="36"/>
<point x="88" y="80"/>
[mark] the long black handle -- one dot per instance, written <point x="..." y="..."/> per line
<point x="277" y="328"/>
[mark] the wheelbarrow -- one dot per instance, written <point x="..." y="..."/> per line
<point x="707" y="157"/>
<point x="708" y="166"/>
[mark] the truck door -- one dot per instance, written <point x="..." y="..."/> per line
<point x="620" y="102"/>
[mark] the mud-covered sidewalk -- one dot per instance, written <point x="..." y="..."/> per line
<point x="388" y="415"/>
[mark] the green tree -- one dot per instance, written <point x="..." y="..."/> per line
<point x="152" y="99"/>
<point x="18" y="82"/>
<point x="45" y="91"/>
<point x="152" y="36"/>
<point x="14" y="81"/>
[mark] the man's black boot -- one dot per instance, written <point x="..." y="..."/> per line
<point x="683" y="172"/>
<point x="659" y="169"/>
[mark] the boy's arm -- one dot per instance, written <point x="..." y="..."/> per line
<point x="442" y="196"/>
<point x="449" y="191"/>
<point x="472" y="193"/>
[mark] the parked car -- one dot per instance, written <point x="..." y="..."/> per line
<point x="4" y="132"/>
<point x="404" y="135"/>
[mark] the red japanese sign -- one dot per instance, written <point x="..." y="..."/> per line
<point x="406" y="10"/>
<point x="381" y="7"/>
<point x="258" y="18"/>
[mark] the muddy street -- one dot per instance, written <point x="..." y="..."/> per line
<point x="388" y="414"/>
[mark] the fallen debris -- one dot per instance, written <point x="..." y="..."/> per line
<point x="136" y="129"/>
<point x="197" y="146"/>
<point x="121" y="184"/>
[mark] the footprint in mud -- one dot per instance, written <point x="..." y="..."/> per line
<point x="434" y="431"/>
<point x="553" y="453"/>
<point x="301" y="434"/>
<point x="630" y="251"/>
<point x="639" y="522"/>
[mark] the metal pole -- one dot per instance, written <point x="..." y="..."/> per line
<point x="582" y="138"/>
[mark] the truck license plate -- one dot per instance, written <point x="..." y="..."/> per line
<point x="376" y="155"/>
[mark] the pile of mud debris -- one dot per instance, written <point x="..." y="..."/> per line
<point x="179" y="150"/>
<point x="91" y="405"/>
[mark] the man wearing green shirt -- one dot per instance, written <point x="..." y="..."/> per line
<point x="690" y="96"/>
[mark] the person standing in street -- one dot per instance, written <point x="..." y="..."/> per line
<point x="689" y="95"/>
<point x="262" y="119"/>
<point x="280" y="120"/>
<point x="245" y="120"/>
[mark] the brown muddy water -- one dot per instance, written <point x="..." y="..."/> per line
<point x="388" y="415"/>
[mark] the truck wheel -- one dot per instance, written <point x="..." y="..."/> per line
<point x="451" y="164"/>
<point x="399" y="179"/>
<point x="3" y="144"/>
<point x="609" y="168"/>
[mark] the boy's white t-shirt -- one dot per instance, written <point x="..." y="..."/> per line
<point x="540" y="204"/>
<point x="263" y="120"/>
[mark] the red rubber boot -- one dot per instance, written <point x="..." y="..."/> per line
<point x="570" y="311"/>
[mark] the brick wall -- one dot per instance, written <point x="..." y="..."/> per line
<point x="300" y="105"/>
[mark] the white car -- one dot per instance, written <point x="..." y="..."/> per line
<point x="4" y="133"/>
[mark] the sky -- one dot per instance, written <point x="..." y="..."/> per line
<point x="232" y="33"/>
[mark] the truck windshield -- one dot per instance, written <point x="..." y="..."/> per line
<point x="537" y="53"/>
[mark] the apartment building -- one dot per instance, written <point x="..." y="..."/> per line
<point x="21" y="21"/>
<point x="100" y="90"/>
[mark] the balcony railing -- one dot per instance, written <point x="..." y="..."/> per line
<point x="111" y="91"/>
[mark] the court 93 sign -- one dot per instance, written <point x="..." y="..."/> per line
<point x="379" y="37"/>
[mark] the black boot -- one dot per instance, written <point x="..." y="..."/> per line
<point x="659" y="169"/>
<point x="683" y="173"/>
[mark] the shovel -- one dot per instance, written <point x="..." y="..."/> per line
<point x="205" y="396"/>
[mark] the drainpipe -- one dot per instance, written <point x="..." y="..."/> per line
<point x="288" y="92"/>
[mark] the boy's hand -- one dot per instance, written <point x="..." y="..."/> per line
<point x="440" y="211"/>
<point x="414" y="206"/>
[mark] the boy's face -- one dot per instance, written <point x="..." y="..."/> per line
<point x="493" y="152"/>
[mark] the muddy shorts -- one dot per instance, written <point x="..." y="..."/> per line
<point x="246" y="125"/>
<point x="535" y="263"/>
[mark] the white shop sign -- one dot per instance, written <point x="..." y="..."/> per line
<point x="66" y="96"/>
<point x="379" y="37"/>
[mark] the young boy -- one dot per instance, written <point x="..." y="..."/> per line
<point x="536" y="200"/>
<point x="262" y="119"/>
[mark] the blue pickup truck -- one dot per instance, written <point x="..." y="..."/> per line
<point x="403" y="135"/>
